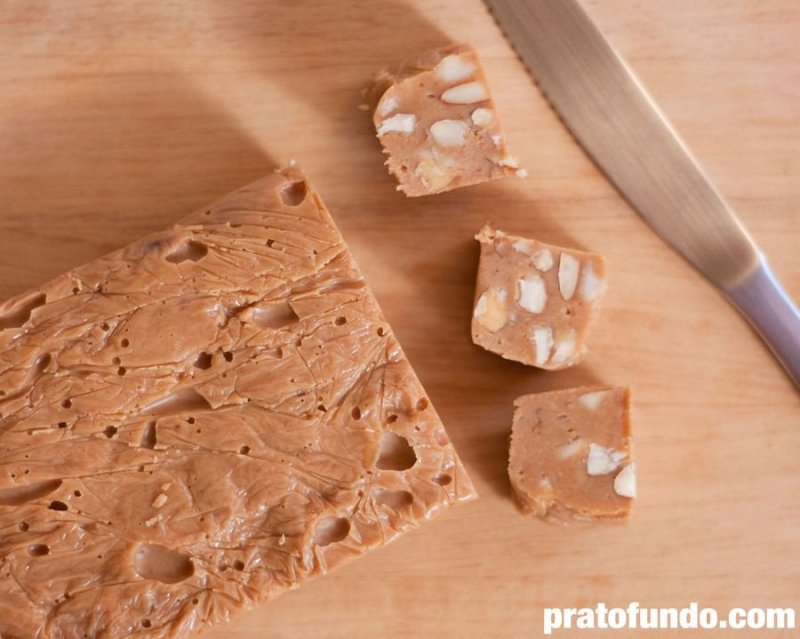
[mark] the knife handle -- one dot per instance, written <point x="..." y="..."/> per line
<point x="764" y="303"/>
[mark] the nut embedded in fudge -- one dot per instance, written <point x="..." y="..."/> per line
<point x="534" y="301"/>
<point x="571" y="454"/>
<point x="438" y="125"/>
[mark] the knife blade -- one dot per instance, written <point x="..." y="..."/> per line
<point x="616" y="121"/>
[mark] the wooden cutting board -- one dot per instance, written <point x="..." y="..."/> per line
<point x="117" y="118"/>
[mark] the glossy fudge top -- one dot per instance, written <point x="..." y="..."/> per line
<point x="207" y="417"/>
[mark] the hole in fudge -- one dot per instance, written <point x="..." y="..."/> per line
<point x="203" y="361"/>
<point x="188" y="250"/>
<point x="329" y="530"/>
<point x="395" y="453"/>
<point x="391" y="419"/>
<point x="228" y="356"/>
<point x="42" y="362"/>
<point x="121" y="371"/>
<point x="21" y="313"/>
<point x="244" y="450"/>
<point x="110" y="431"/>
<point x="238" y="565"/>
<point x="146" y="623"/>
<point x="381" y="331"/>
<point x="422" y="404"/>
<point x="341" y="320"/>
<point x="66" y="403"/>
<point x="444" y="479"/>
<point x="273" y="316"/>
<point x="58" y="505"/>
<point x="62" y="424"/>
<point x="149" y="437"/>
<point x="24" y="526"/>
<point x="180" y="401"/>
<point x="18" y="495"/>
<point x="395" y="499"/>
<point x="154" y="561"/>
<point x="38" y="550"/>
<point x="125" y="342"/>
<point x="356" y="413"/>
<point x="294" y="193"/>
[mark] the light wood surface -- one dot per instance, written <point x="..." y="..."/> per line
<point x="117" y="118"/>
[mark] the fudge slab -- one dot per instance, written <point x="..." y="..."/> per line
<point x="438" y="125"/>
<point x="534" y="302"/>
<point x="571" y="454"/>
<point x="202" y="420"/>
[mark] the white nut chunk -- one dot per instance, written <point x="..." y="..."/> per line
<point x="625" y="482"/>
<point x="602" y="461"/>
<point x="449" y="133"/>
<point x="568" y="269"/>
<point x="491" y="311"/>
<point x="455" y="68"/>
<point x="591" y="401"/>
<point x="467" y="93"/>
<point x="399" y="123"/>
<point x="543" y="343"/>
<point x="548" y="329"/>
<point x="532" y="293"/>
<point x="482" y="117"/>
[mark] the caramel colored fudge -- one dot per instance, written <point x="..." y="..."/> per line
<point x="204" y="419"/>
<point x="438" y="125"/>
<point x="571" y="455"/>
<point x="534" y="301"/>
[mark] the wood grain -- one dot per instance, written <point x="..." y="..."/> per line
<point x="117" y="118"/>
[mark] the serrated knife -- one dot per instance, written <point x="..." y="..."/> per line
<point x="616" y="121"/>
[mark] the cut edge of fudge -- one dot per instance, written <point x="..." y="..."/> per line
<point x="597" y="457"/>
<point x="443" y="103"/>
<point x="204" y="419"/>
<point x="535" y="302"/>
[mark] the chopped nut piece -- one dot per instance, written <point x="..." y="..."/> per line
<point x="532" y="293"/>
<point x="625" y="482"/>
<point x="554" y="473"/>
<point x="455" y="68"/>
<point x="568" y="270"/>
<point x="389" y="105"/>
<point x="592" y="400"/>
<point x="543" y="342"/>
<point x="547" y="326"/>
<point x="467" y="93"/>
<point x="449" y="133"/>
<point x="400" y="123"/>
<point x="602" y="461"/>
<point x="491" y="310"/>
<point x="565" y="347"/>
<point x="482" y="117"/>
<point x="160" y="500"/>
<point x="462" y="125"/>
<point x="543" y="260"/>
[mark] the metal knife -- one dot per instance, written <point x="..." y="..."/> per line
<point x="616" y="121"/>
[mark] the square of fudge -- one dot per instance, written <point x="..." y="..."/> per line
<point x="571" y="454"/>
<point x="438" y="125"/>
<point x="534" y="302"/>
